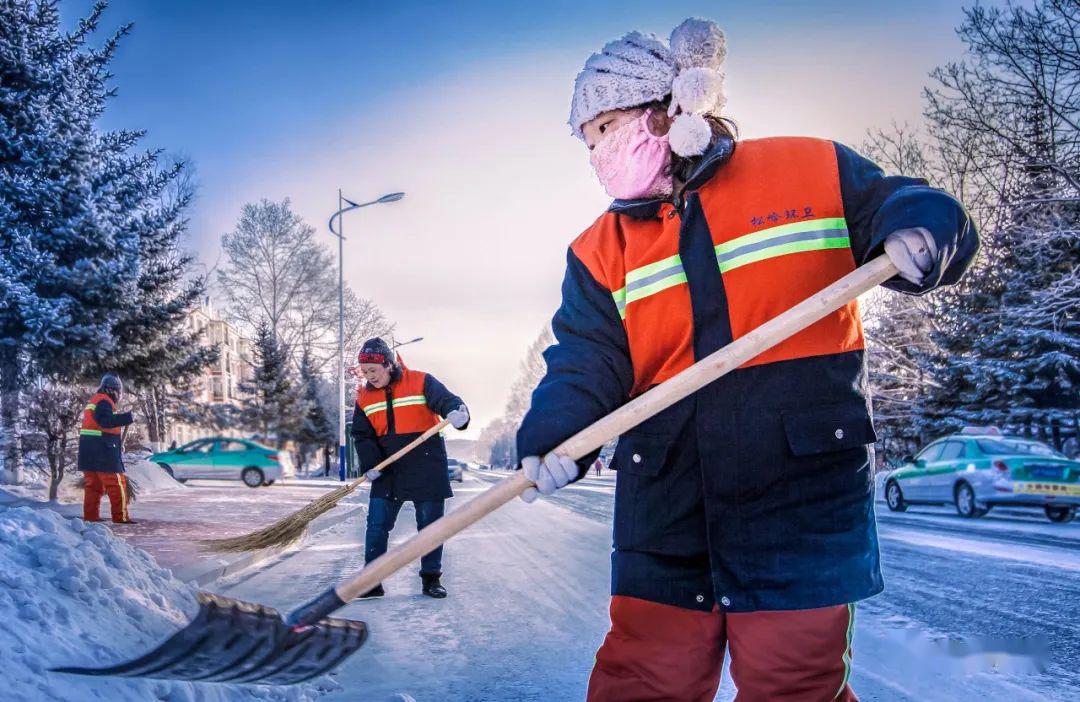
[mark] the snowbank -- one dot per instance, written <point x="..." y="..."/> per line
<point x="150" y="477"/>
<point x="71" y="593"/>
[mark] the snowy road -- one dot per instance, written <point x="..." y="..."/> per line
<point x="525" y="614"/>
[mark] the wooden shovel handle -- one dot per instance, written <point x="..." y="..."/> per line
<point x="631" y="414"/>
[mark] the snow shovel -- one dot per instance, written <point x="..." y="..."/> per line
<point x="234" y="641"/>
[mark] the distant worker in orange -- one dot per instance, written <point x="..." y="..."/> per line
<point x="100" y="457"/>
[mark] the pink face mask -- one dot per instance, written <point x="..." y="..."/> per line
<point x="632" y="162"/>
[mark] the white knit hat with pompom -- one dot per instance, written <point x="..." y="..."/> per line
<point x="638" y="69"/>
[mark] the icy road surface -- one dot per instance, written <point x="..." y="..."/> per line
<point x="968" y="606"/>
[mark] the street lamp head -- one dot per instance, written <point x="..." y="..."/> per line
<point x="392" y="197"/>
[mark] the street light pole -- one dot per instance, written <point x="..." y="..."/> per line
<point x="341" y="340"/>
<point x="342" y="209"/>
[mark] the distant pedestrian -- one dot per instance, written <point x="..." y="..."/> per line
<point x="100" y="453"/>
<point x="598" y="465"/>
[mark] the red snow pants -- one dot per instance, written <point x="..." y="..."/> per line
<point x="97" y="484"/>
<point x="658" y="652"/>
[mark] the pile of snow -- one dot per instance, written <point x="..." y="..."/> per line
<point x="150" y="477"/>
<point x="35" y="485"/>
<point x="71" y="593"/>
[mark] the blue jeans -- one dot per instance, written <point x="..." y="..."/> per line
<point x="383" y="512"/>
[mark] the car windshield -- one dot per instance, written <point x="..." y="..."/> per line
<point x="1005" y="447"/>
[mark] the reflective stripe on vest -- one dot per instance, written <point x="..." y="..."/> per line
<point x="797" y="237"/>
<point x="649" y="280"/>
<point x="398" y="402"/>
<point x="89" y="426"/>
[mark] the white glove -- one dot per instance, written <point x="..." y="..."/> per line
<point x="373" y="475"/>
<point x="459" y="417"/>
<point x="550" y="475"/>
<point x="913" y="251"/>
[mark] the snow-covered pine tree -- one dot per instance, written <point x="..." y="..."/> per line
<point x="156" y="351"/>
<point x="316" y="431"/>
<point x="71" y="255"/>
<point x="901" y="353"/>
<point x="92" y="276"/>
<point x="1013" y="341"/>
<point x="273" y="407"/>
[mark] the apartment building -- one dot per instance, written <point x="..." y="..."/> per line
<point x="220" y="382"/>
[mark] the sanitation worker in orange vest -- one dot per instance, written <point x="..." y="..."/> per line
<point x="744" y="514"/>
<point x="100" y="453"/>
<point x="394" y="405"/>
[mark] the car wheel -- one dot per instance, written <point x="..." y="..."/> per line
<point x="168" y="469"/>
<point x="1060" y="514"/>
<point x="252" y="477"/>
<point x="965" y="502"/>
<point x="268" y="483"/>
<point x="894" y="498"/>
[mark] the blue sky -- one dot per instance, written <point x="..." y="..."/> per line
<point x="463" y="106"/>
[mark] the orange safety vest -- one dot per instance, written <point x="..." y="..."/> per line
<point x="405" y="399"/>
<point x="90" y="427"/>
<point x="777" y="242"/>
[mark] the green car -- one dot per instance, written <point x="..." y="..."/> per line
<point x="978" y="470"/>
<point x="223" y="458"/>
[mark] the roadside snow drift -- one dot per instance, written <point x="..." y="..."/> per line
<point x="72" y="593"/>
<point x="150" y="477"/>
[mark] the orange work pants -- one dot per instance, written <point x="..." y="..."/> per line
<point x="98" y="484"/>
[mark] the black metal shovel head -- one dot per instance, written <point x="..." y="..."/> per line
<point x="234" y="641"/>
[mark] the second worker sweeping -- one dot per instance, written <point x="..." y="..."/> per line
<point x="394" y="405"/>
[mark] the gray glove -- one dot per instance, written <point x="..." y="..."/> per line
<point x="459" y="417"/>
<point x="913" y="251"/>
<point x="550" y="475"/>
<point x="373" y="475"/>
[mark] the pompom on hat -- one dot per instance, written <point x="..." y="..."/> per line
<point x="639" y="68"/>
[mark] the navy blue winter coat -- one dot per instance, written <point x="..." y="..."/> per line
<point x="387" y="419"/>
<point x="755" y="493"/>
<point x="100" y="436"/>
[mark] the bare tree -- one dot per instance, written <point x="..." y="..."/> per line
<point x="1003" y="345"/>
<point x="279" y="273"/>
<point x="272" y="260"/>
<point x="52" y="421"/>
<point x="532" y="370"/>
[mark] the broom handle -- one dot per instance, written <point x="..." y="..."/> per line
<point x="664" y="395"/>
<point x="402" y="451"/>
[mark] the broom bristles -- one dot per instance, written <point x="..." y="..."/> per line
<point x="289" y="529"/>
<point x="284" y="531"/>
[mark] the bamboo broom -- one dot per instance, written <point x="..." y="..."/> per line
<point x="290" y="528"/>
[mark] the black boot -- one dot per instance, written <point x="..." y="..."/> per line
<point x="376" y="591"/>
<point x="432" y="586"/>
